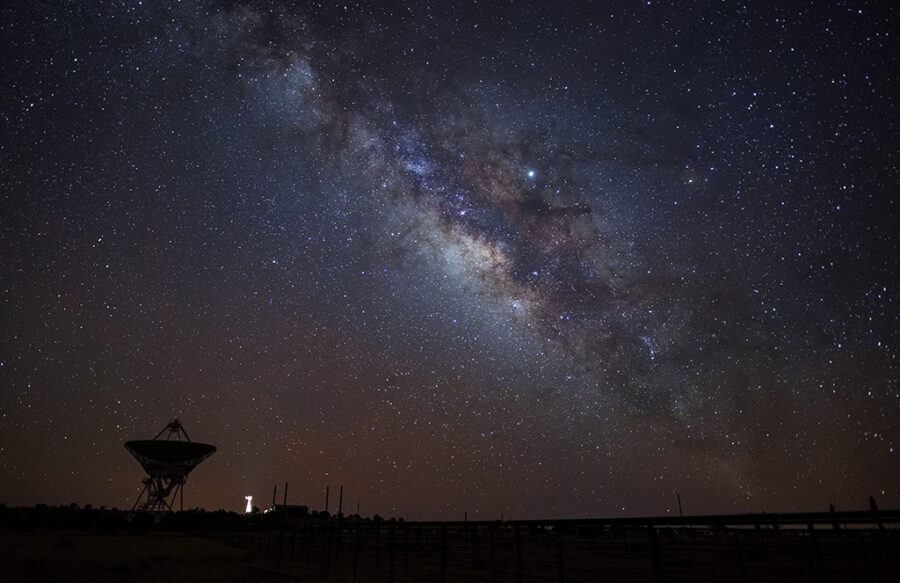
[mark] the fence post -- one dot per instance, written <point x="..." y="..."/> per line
<point x="406" y="550"/>
<point x="391" y="578"/>
<point x="818" y="566"/>
<point x="328" y="535"/>
<point x="377" y="545"/>
<point x="443" y="553"/>
<point x="340" y="530"/>
<point x="519" y="574"/>
<point x="740" y="552"/>
<point x="355" y="548"/>
<point x="493" y="556"/>
<point x="654" y="551"/>
<point x="866" y="556"/>
<point x="293" y="542"/>
<point x="559" y="557"/>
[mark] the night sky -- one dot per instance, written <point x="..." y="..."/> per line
<point x="525" y="258"/>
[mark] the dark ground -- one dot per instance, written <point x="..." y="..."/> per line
<point x="68" y="543"/>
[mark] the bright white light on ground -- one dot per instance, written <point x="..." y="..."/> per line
<point x="249" y="504"/>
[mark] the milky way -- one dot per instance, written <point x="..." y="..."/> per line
<point x="466" y="258"/>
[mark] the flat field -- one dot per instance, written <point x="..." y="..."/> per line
<point x="76" y="557"/>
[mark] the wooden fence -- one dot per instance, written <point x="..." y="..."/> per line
<point x="819" y="547"/>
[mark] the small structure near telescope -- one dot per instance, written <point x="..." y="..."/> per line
<point x="167" y="463"/>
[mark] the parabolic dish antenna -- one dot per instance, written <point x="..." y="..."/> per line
<point x="167" y="462"/>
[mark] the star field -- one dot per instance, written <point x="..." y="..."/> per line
<point x="482" y="257"/>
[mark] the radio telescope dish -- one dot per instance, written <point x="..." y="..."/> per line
<point x="167" y="462"/>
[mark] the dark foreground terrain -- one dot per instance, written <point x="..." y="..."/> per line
<point x="88" y="557"/>
<point x="214" y="547"/>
